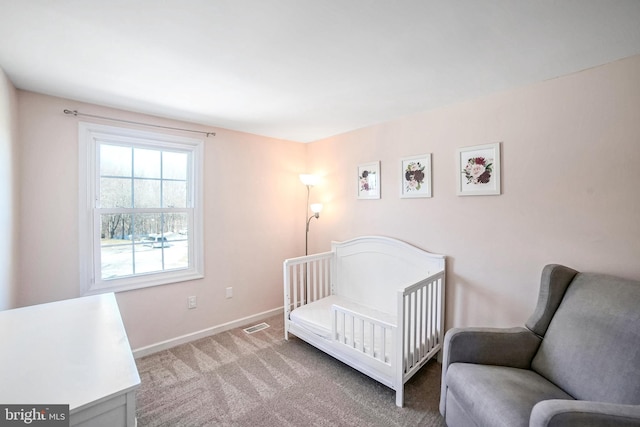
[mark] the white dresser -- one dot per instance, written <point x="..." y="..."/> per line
<point x="73" y="352"/>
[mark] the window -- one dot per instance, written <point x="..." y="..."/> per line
<point x="140" y="208"/>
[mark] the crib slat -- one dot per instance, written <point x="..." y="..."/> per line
<point x="420" y="347"/>
<point x="407" y="332"/>
<point x="372" y="339"/>
<point x="327" y="271"/>
<point x="412" y="328"/>
<point x="321" y="278"/>
<point x="294" y="284"/>
<point x="418" y="321"/>
<point x="427" y="317"/>
<point x="434" y="316"/>
<point x="383" y="337"/>
<point x="307" y="267"/>
<point x="423" y="321"/>
<point x="314" y="281"/>
<point x="313" y="291"/>
<point x="353" y="331"/>
<point x="439" y="309"/>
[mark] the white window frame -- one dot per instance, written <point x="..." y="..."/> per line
<point x="89" y="136"/>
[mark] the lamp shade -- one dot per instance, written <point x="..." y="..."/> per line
<point x="316" y="208"/>
<point x="308" y="179"/>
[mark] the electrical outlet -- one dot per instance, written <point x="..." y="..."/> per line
<point x="191" y="302"/>
<point x="229" y="293"/>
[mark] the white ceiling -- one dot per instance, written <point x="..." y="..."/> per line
<point x="303" y="69"/>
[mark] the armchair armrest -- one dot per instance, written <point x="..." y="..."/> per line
<point x="559" y="413"/>
<point x="514" y="347"/>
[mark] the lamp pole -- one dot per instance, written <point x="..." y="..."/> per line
<point x="306" y="239"/>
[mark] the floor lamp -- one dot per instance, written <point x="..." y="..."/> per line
<point x="309" y="181"/>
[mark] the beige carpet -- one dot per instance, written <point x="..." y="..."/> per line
<point x="236" y="379"/>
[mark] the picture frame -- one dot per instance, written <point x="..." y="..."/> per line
<point x="369" y="180"/>
<point x="478" y="170"/>
<point x="415" y="176"/>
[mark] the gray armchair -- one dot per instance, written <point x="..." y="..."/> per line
<point x="576" y="363"/>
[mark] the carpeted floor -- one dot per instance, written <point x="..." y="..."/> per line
<point x="236" y="379"/>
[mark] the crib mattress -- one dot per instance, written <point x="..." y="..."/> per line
<point x="316" y="318"/>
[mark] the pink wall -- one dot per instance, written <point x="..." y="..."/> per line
<point x="570" y="170"/>
<point x="253" y="220"/>
<point x="8" y="191"/>
<point x="570" y="174"/>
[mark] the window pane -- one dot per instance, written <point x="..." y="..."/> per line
<point x="147" y="224"/>
<point x="149" y="256"/>
<point x="116" y="246"/>
<point x="115" y="192"/>
<point x="115" y="227"/>
<point x="146" y="193"/>
<point x="115" y="160"/>
<point x="116" y="261"/>
<point x="174" y="194"/>
<point x="174" y="165"/>
<point x="177" y="254"/>
<point x="177" y="224"/>
<point x="143" y="243"/>
<point x="146" y="163"/>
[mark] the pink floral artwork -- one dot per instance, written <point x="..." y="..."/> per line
<point x="479" y="170"/>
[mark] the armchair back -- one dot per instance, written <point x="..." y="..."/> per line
<point x="590" y="347"/>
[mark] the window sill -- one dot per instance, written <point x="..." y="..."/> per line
<point x="141" y="282"/>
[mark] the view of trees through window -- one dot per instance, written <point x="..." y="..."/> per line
<point x="144" y="210"/>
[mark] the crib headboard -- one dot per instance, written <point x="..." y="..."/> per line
<point x="371" y="269"/>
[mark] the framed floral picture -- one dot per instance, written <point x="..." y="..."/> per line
<point x="369" y="180"/>
<point x="478" y="170"/>
<point x="416" y="176"/>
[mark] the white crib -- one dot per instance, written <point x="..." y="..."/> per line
<point x="374" y="303"/>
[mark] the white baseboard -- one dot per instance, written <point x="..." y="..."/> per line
<point x="163" y="345"/>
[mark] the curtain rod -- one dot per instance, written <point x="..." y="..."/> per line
<point x="77" y="113"/>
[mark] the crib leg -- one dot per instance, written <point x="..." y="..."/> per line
<point x="400" y="396"/>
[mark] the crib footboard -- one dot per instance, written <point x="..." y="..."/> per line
<point x="420" y="326"/>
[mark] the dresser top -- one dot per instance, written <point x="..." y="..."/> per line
<point x="72" y="352"/>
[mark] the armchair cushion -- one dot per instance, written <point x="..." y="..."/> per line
<point x="513" y="347"/>
<point x="499" y="396"/>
